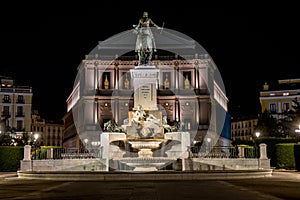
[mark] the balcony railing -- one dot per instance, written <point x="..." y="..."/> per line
<point x="5" y="114"/>
<point x="21" y="101"/>
<point x="6" y="101"/>
<point x="20" y="114"/>
<point x="16" y="89"/>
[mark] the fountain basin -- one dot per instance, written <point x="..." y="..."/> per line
<point x="145" y="144"/>
<point x="146" y="147"/>
<point x="147" y="164"/>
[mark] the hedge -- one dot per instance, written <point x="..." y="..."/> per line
<point x="297" y="156"/>
<point x="10" y="158"/>
<point x="271" y="146"/>
<point x="285" y="158"/>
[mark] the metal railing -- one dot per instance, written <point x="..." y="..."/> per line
<point x="196" y="152"/>
<point x="62" y="153"/>
<point x="225" y="152"/>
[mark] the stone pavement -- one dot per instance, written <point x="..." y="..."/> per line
<point x="4" y="175"/>
<point x="292" y="174"/>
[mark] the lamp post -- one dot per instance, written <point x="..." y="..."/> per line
<point x="36" y="137"/>
<point x="297" y="130"/>
<point x="86" y="143"/>
<point x="257" y="134"/>
<point x="208" y="143"/>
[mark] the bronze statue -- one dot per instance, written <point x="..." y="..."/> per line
<point x="145" y="43"/>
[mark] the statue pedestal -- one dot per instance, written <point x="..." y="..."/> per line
<point x="145" y="80"/>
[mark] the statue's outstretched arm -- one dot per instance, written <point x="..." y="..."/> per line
<point x="155" y="25"/>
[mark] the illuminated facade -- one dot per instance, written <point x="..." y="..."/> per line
<point x="15" y="107"/>
<point x="50" y="132"/>
<point x="187" y="91"/>
<point x="278" y="98"/>
<point x="243" y="129"/>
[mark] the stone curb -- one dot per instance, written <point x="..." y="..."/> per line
<point x="171" y="176"/>
<point x="8" y="174"/>
<point x="287" y="174"/>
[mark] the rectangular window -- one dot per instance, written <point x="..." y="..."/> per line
<point x="285" y="107"/>
<point x="19" y="125"/>
<point x="6" y="99"/>
<point x="5" y="111"/>
<point x="272" y="107"/>
<point x="20" y="99"/>
<point x="20" y="111"/>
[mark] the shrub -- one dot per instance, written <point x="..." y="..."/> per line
<point x="297" y="156"/>
<point x="10" y="157"/>
<point x="271" y="146"/>
<point x="285" y="158"/>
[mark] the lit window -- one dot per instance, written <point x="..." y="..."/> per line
<point x="272" y="107"/>
<point x="286" y="106"/>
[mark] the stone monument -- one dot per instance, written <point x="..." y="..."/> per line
<point x="142" y="144"/>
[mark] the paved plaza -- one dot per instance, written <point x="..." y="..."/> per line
<point x="281" y="185"/>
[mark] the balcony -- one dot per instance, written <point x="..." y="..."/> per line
<point x="5" y="114"/>
<point x="6" y="101"/>
<point x="19" y="89"/>
<point x="20" y="114"/>
<point x="20" y="101"/>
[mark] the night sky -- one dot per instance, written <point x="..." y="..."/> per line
<point x="250" y="44"/>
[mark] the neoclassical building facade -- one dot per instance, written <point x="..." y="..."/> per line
<point x="15" y="106"/>
<point x="187" y="91"/>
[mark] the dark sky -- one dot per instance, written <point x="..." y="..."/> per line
<point x="250" y="44"/>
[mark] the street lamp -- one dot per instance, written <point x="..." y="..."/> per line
<point x="257" y="134"/>
<point x="86" y="143"/>
<point x="208" y="141"/>
<point x="298" y="130"/>
<point x="36" y="137"/>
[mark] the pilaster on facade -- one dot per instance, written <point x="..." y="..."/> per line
<point x="104" y="92"/>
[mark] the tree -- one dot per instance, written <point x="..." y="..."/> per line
<point x="296" y="116"/>
<point x="291" y="119"/>
<point x="266" y="123"/>
<point x="272" y="127"/>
